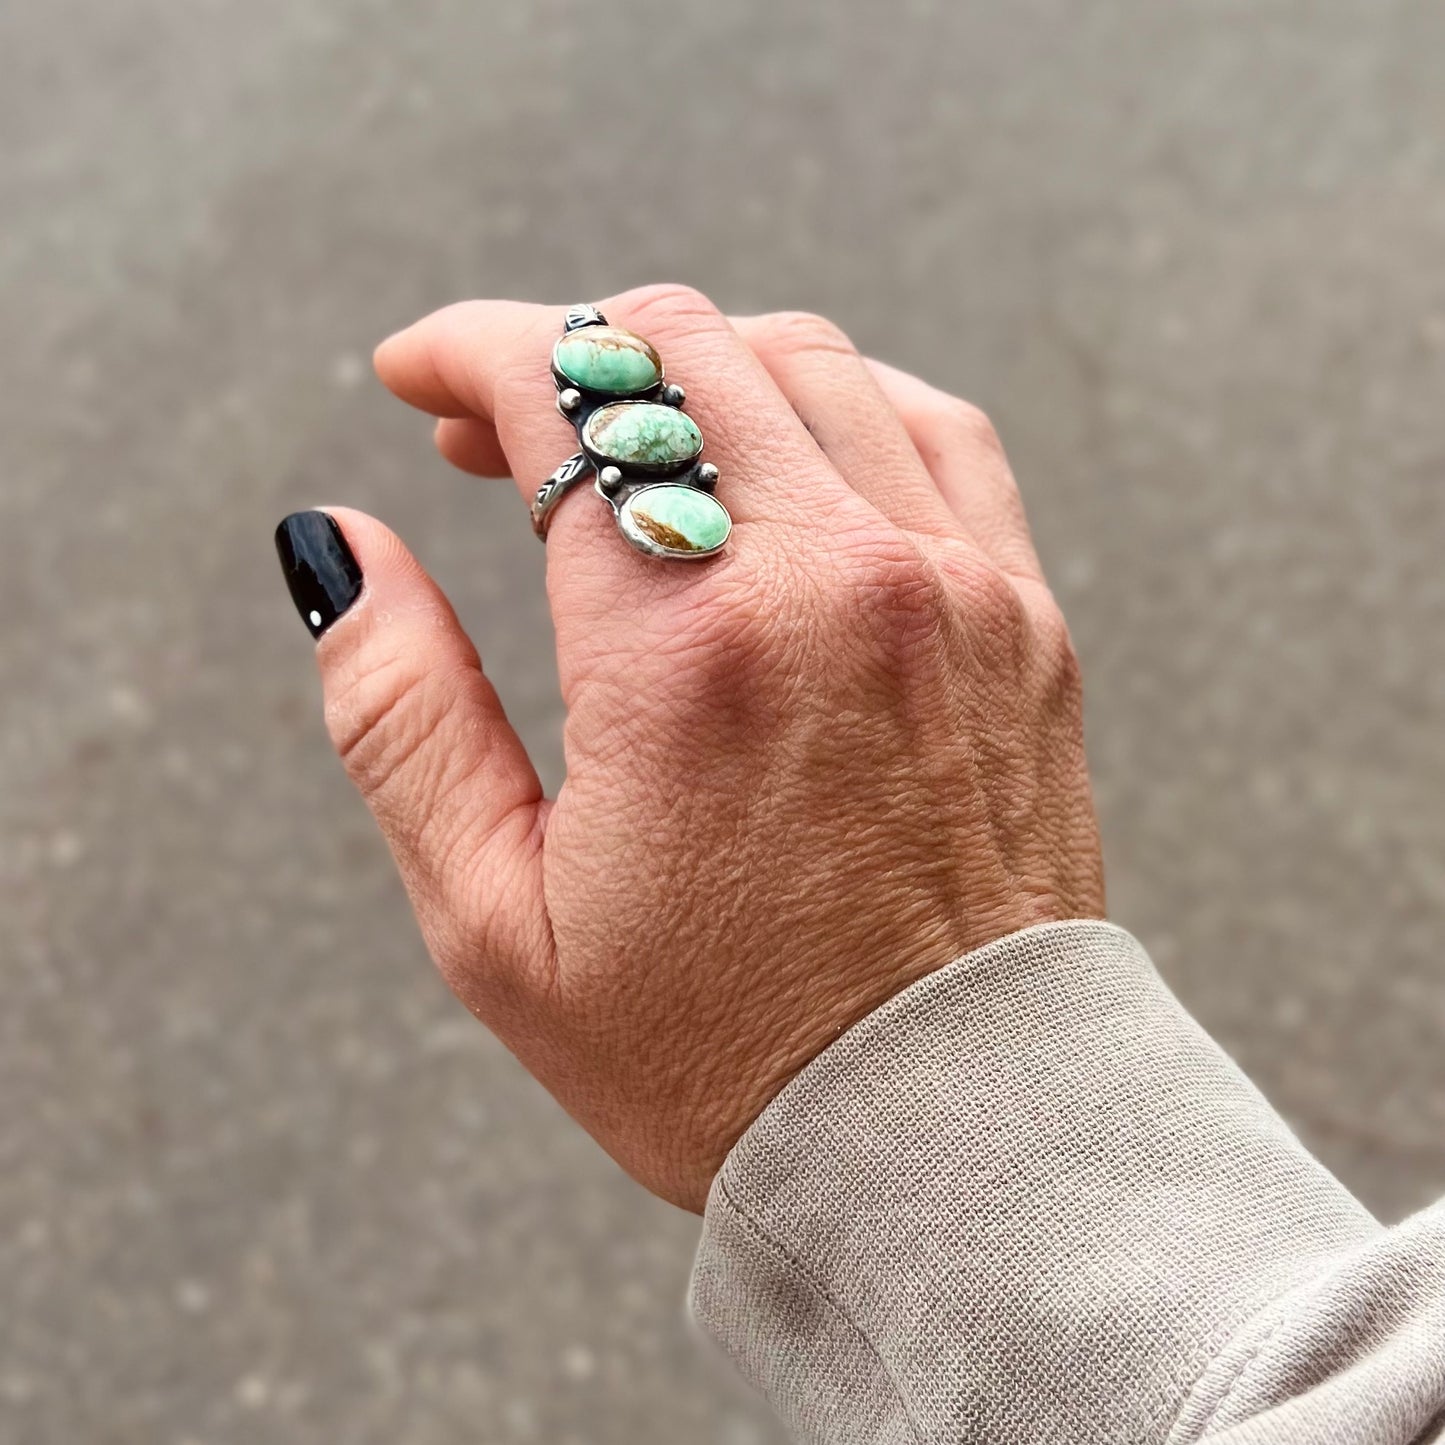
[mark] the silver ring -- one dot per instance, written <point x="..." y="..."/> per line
<point x="642" y="448"/>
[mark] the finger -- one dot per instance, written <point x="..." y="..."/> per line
<point x="489" y="359"/>
<point x="424" y="738"/>
<point x="485" y="364"/>
<point x="966" y="460"/>
<point x="438" y="365"/>
<point x="471" y="446"/>
<point x="818" y="369"/>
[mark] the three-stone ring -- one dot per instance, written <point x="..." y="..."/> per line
<point x="635" y="438"/>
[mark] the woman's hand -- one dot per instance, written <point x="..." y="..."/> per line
<point x="799" y="776"/>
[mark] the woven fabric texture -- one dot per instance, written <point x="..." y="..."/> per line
<point x="1030" y="1200"/>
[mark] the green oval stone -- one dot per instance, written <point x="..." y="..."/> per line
<point x="607" y="359"/>
<point x="643" y="434"/>
<point x="674" y="520"/>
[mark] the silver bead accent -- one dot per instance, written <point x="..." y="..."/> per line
<point x="609" y="478"/>
<point x="673" y="394"/>
<point x="707" y="476"/>
<point x="569" y="400"/>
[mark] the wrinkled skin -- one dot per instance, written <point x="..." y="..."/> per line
<point x="800" y="776"/>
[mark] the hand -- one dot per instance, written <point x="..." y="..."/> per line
<point x="800" y="776"/>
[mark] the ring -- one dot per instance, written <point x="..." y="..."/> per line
<point x="635" y="439"/>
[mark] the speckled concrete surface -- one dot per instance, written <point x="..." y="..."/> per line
<point x="259" y="1179"/>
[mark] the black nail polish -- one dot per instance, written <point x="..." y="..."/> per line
<point x="320" y="570"/>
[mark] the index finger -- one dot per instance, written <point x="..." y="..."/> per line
<point x="490" y="360"/>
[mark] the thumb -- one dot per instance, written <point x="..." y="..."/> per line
<point x="424" y="737"/>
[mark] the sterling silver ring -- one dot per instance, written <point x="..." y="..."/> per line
<point x="635" y="439"/>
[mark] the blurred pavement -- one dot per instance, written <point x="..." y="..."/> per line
<point x="260" y="1180"/>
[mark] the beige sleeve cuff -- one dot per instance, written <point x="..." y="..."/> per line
<point x="1030" y="1200"/>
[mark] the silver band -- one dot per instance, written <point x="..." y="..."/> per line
<point x="575" y="469"/>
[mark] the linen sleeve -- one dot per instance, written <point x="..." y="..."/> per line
<point x="1029" y="1200"/>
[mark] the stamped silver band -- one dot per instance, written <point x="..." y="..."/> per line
<point x="574" y="470"/>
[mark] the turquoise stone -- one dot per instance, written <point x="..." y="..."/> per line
<point x="674" y="521"/>
<point x="607" y="359"/>
<point x="643" y="434"/>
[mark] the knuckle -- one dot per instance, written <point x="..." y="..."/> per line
<point x="995" y="603"/>
<point x="988" y="597"/>
<point x="735" y="641"/>
<point x="728" y="636"/>
<point x="1049" y="625"/>
<point x="891" y="589"/>
<point x="969" y="423"/>
<point x="1054" y="646"/>
<point x="669" y="306"/>
<point x="795" y="333"/>
<point x="383" y="714"/>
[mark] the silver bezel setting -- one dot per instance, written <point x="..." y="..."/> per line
<point x="656" y="392"/>
<point x="617" y="481"/>
<point x="649" y="470"/>
<point x="644" y="543"/>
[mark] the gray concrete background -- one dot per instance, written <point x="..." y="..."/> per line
<point x="259" y="1179"/>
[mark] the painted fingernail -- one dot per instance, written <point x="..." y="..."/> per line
<point x="320" y="570"/>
